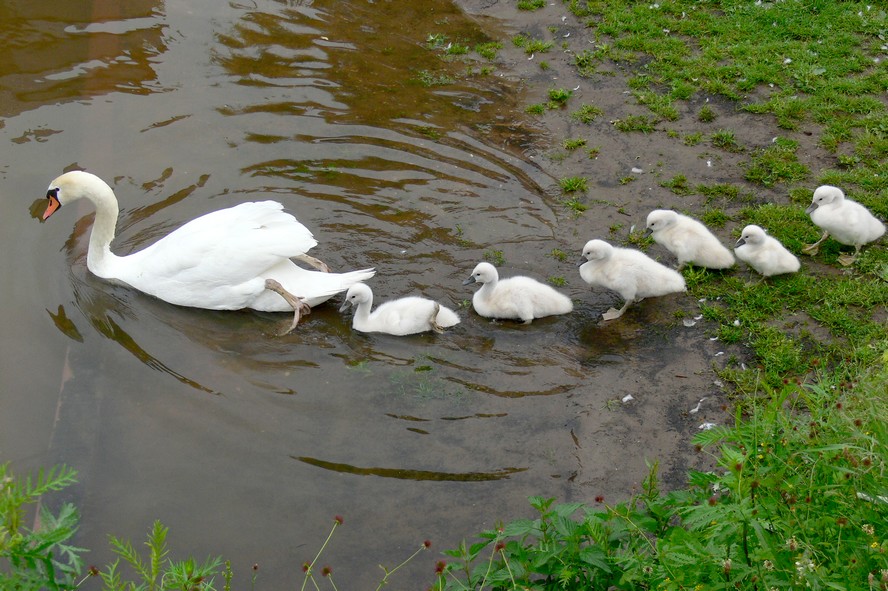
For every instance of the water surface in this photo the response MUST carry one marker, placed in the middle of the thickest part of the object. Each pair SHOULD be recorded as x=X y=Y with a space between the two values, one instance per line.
x=246 y=443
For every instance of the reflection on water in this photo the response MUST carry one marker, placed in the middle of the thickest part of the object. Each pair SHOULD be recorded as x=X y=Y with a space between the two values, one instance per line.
x=66 y=51
x=405 y=474
x=186 y=107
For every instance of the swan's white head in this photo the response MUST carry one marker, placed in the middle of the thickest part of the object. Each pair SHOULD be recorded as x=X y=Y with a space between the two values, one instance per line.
x=482 y=273
x=825 y=195
x=660 y=219
x=595 y=250
x=357 y=294
x=72 y=186
x=752 y=234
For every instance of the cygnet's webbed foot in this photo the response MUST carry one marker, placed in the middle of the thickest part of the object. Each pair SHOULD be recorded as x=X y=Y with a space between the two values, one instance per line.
x=300 y=308
x=316 y=263
x=433 y=321
x=813 y=249
x=613 y=313
x=846 y=260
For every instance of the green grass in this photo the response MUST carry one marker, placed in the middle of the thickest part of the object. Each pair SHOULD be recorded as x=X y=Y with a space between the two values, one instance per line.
x=573 y=184
x=573 y=143
x=778 y=163
x=587 y=114
x=531 y=45
x=640 y=123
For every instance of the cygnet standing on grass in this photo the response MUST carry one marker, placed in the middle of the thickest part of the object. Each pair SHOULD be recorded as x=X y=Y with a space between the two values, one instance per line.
x=764 y=253
x=689 y=240
x=629 y=272
x=517 y=298
x=846 y=220
x=409 y=315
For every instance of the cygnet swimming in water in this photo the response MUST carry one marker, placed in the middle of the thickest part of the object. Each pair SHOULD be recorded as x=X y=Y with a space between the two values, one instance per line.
x=764 y=253
x=518 y=297
x=844 y=219
x=408 y=315
x=689 y=240
x=629 y=272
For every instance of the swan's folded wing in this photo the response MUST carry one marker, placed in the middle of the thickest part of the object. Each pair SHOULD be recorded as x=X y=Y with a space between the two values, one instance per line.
x=228 y=246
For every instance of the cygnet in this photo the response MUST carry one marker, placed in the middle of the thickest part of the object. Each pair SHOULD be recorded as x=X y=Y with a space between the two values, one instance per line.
x=764 y=253
x=689 y=240
x=518 y=297
x=408 y=315
x=629 y=272
x=846 y=220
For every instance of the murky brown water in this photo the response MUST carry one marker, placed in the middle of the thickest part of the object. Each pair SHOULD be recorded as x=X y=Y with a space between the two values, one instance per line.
x=247 y=444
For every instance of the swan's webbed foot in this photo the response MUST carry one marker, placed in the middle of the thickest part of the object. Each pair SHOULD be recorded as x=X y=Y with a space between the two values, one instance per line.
x=613 y=313
x=813 y=249
x=433 y=321
x=300 y=308
x=846 y=260
x=316 y=263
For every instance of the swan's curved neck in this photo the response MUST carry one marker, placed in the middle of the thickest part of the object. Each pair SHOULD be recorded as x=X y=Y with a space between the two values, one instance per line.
x=99 y=259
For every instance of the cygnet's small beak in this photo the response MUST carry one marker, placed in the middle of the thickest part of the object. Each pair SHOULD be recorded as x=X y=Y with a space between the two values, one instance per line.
x=470 y=280
x=344 y=306
x=811 y=208
x=740 y=242
x=648 y=232
x=582 y=261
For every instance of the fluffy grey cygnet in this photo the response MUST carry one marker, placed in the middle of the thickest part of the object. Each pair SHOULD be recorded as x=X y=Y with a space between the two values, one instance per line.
x=629 y=272
x=844 y=219
x=407 y=315
x=764 y=253
x=517 y=298
x=689 y=240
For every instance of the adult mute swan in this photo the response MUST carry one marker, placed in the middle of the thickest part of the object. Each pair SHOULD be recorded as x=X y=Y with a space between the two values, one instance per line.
x=846 y=220
x=518 y=297
x=689 y=240
x=225 y=260
x=408 y=315
x=764 y=253
x=630 y=273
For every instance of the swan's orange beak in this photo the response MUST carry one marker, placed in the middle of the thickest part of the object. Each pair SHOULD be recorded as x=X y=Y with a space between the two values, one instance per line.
x=53 y=205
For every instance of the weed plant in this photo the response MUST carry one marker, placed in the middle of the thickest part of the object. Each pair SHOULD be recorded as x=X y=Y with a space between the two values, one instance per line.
x=40 y=557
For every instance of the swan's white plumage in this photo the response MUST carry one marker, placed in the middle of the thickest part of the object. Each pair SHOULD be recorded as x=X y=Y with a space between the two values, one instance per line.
x=403 y=316
x=689 y=240
x=844 y=219
x=629 y=272
x=218 y=261
x=764 y=253
x=517 y=298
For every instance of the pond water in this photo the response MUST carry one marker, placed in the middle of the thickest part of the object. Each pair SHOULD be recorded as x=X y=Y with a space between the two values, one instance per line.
x=247 y=444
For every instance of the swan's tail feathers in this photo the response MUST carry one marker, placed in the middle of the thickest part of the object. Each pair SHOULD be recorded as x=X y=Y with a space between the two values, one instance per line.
x=349 y=278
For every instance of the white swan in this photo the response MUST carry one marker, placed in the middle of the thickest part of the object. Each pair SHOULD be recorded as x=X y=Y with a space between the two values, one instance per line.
x=764 y=253
x=629 y=272
x=225 y=260
x=518 y=298
x=689 y=240
x=408 y=315
x=846 y=220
